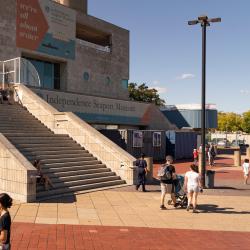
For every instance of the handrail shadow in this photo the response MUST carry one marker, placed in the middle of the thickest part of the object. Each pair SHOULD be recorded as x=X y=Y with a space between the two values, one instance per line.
x=211 y=208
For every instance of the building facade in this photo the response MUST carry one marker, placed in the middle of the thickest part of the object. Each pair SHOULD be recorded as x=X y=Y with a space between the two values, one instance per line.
x=82 y=61
x=189 y=115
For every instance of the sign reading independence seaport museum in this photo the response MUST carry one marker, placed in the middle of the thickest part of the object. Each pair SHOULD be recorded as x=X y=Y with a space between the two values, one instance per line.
x=47 y=27
x=97 y=109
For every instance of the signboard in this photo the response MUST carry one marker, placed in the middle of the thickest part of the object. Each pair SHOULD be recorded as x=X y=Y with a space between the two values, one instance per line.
x=157 y=139
x=137 y=139
x=47 y=27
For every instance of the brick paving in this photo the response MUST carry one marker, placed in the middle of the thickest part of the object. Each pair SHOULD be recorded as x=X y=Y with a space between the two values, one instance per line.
x=53 y=237
x=125 y=219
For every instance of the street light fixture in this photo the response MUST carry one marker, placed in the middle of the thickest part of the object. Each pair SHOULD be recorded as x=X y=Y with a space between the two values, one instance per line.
x=204 y=21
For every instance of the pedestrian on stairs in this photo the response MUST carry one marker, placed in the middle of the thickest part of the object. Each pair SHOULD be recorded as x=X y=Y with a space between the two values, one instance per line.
x=142 y=171
x=42 y=178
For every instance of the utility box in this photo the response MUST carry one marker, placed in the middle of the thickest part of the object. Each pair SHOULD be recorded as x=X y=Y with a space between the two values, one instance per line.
x=181 y=144
x=150 y=142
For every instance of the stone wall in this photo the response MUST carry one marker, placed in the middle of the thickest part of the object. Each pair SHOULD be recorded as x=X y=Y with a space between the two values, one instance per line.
x=16 y=173
x=106 y=70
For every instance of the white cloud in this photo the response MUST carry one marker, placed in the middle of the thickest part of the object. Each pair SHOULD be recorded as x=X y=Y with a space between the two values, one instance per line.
x=185 y=76
x=161 y=90
x=245 y=92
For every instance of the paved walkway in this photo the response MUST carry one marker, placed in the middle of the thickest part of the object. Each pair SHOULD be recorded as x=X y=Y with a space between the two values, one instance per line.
x=125 y=219
x=65 y=237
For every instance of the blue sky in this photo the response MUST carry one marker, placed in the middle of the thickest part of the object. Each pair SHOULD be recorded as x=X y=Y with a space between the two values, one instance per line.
x=165 y=52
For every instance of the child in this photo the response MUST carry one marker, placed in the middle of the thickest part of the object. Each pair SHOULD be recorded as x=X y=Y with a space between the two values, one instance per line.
x=192 y=186
x=195 y=155
x=245 y=167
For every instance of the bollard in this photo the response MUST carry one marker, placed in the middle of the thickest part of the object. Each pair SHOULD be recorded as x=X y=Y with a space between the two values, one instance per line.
x=237 y=158
x=149 y=161
x=248 y=152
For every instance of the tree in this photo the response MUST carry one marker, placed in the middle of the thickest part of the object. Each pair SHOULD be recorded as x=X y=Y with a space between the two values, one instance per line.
x=143 y=93
x=246 y=122
x=229 y=122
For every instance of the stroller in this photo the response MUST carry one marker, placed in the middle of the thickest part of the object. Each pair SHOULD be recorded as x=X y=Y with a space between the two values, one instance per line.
x=180 y=195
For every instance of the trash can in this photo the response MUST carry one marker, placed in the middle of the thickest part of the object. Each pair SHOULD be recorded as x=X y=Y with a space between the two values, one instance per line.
x=210 y=178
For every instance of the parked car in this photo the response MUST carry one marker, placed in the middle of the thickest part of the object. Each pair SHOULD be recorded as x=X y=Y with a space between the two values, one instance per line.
x=223 y=143
x=240 y=143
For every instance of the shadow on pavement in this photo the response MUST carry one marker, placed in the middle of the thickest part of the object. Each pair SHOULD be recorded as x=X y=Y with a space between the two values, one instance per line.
x=211 y=208
x=231 y=188
x=62 y=199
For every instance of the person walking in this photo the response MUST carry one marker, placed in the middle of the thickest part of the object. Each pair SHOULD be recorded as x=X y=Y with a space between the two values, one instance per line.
x=246 y=169
x=195 y=155
x=142 y=171
x=5 y=221
x=167 y=176
x=211 y=155
x=192 y=186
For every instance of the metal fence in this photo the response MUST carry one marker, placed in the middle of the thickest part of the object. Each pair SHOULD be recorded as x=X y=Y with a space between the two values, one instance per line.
x=19 y=70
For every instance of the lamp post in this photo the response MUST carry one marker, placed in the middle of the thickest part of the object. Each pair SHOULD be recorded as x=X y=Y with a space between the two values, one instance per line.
x=204 y=21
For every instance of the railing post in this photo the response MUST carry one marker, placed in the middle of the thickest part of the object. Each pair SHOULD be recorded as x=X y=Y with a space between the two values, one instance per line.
x=14 y=70
x=3 y=74
x=19 y=73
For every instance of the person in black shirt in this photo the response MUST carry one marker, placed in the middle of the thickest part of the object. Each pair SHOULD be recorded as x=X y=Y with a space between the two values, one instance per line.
x=5 y=221
x=167 y=186
x=142 y=171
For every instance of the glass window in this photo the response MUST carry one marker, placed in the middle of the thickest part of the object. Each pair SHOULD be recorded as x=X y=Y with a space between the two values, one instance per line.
x=49 y=73
x=125 y=83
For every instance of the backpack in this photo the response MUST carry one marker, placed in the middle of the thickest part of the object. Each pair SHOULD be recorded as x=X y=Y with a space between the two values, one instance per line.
x=164 y=173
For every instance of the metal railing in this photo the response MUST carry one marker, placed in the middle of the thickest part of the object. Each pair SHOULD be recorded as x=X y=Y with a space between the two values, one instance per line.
x=19 y=70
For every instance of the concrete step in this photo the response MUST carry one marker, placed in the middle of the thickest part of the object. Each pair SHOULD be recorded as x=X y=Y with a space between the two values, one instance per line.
x=19 y=119
x=24 y=131
x=52 y=153
x=44 y=149
x=24 y=122
x=57 y=156
x=84 y=171
x=69 y=165
x=46 y=144
x=49 y=135
x=69 y=184
x=42 y=142
x=63 y=159
x=73 y=189
x=64 y=179
x=87 y=167
x=41 y=139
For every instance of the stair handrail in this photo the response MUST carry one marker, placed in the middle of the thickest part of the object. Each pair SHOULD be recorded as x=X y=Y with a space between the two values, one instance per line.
x=120 y=161
x=21 y=70
x=104 y=139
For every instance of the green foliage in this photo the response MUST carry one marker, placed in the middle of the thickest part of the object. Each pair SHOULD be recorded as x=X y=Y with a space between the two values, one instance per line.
x=232 y=122
x=246 y=122
x=143 y=93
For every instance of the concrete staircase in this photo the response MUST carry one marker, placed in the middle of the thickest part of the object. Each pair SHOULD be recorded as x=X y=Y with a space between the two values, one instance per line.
x=70 y=167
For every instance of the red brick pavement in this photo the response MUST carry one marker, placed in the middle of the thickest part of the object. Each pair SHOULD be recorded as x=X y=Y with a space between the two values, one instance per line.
x=60 y=237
